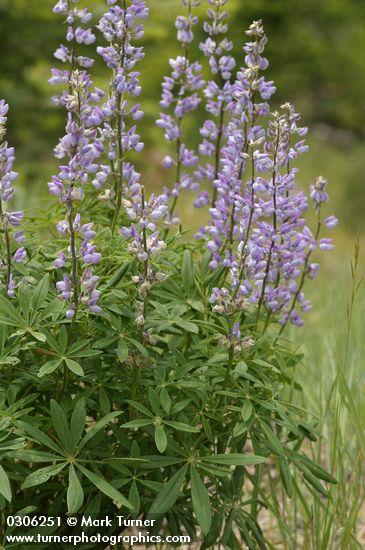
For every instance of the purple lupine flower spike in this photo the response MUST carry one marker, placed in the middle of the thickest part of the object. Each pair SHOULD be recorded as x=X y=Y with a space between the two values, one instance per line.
x=257 y=229
x=8 y=220
x=146 y=243
x=121 y=27
x=218 y=96
x=82 y=148
x=180 y=95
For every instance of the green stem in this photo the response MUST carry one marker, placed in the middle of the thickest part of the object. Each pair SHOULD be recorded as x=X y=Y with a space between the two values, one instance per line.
x=227 y=378
x=119 y=184
x=7 y=244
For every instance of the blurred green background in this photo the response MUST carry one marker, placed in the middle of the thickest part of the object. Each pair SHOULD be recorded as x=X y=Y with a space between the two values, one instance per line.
x=316 y=52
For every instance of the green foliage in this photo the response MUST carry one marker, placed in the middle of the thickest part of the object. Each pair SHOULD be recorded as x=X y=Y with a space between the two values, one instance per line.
x=160 y=420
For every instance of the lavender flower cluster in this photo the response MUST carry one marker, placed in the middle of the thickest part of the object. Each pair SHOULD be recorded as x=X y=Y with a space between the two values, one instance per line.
x=180 y=95
x=257 y=230
x=256 y=234
x=82 y=148
x=101 y=131
x=9 y=221
x=121 y=27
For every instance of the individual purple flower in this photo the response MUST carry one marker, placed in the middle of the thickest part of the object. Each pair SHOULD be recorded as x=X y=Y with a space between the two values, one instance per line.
x=318 y=191
x=89 y=294
x=331 y=222
x=326 y=244
x=20 y=255
x=70 y=312
x=11 y=287
x=89 y=255
x=60 y=261
x=64 y=288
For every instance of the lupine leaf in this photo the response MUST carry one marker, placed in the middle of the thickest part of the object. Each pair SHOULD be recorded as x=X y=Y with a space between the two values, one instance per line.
x=61 y=426
x=5 y=488
x=187 y=272
x=134 y=498
x=74 y=367
x=75 y=493
x=201 y=501
x=160 y=439
x=286 y=476
x=99 y=425
x=30 y=455
x=39 y=436
x=40 y=293
x=141 y=408
x=42 y=475
x=122 y=351
x=236 y=459
x=137 y=423
x=78 y=419
x=181 y=426
x=169 y=493
x=104 y=486
x=49 y=367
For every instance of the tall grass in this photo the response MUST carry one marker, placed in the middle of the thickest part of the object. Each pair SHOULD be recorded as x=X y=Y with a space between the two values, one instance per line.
x=333 y=383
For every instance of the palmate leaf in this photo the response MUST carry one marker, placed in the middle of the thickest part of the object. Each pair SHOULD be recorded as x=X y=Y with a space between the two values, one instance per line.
x=234 y=459
x=49 y=367
x=187 y=326
x=140 y=347
x=61 y=426
x=169 y=493
x=42 y=475
x=154 y=401
x=122 y=351
x=201 y=501
x=99 y=425
x=74 y=367
x=181 y=426
x=40 y=437
x=5 y=488
x=30 y=455
x=160 y=439
x=75 y=493
x=141 y=408
x=8 y=314
x=137 y=423
x=78 y=419
x=313 y=467
x=188 y=273
x=40 y=293
x=272 y=440
x=24 y=298
x=134 y=497
x=286 y=476
x=82 y=349
x=105 y=487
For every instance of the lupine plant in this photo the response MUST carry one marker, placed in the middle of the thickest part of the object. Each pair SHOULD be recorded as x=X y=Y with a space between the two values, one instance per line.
x=141 y=370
